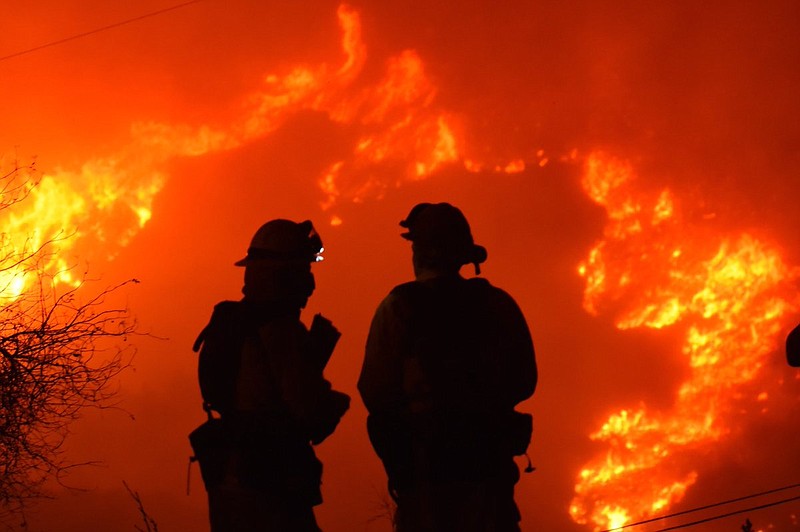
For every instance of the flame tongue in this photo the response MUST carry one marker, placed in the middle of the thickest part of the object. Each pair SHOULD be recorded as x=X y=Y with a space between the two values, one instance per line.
x=651 y=269
x=104 y=203
x=72 y=214
x=728 y=298
x=399 y=121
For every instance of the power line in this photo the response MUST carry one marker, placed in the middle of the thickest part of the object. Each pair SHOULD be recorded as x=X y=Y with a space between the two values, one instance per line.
x=706 y=507
x=98 y=30
x=722 y=516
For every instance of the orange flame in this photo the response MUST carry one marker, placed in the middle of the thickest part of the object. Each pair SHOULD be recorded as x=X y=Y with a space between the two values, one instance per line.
x=100 y=206
x=104 y=203
x=730 y=297
x=400 y=123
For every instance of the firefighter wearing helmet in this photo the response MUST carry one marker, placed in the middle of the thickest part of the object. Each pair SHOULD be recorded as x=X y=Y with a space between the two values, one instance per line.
x=261 y=379
x=447 y=361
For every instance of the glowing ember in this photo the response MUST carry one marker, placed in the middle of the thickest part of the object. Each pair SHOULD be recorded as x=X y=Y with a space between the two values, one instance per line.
x=653 y=270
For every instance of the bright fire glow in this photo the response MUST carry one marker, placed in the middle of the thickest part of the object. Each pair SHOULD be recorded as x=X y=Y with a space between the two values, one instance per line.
x=654 y=270
x=70 y=214
x=67 y=213
x=400 y=124
x=105 y=202
x=724 y=293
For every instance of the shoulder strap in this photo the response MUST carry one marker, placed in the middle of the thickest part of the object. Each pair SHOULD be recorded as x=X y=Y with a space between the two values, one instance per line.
x=224 y=313
x=220 y=346
x=407 y=289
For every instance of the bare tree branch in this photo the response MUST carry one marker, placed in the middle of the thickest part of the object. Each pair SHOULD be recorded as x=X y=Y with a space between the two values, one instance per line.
x=149 y=523
x=59 y=353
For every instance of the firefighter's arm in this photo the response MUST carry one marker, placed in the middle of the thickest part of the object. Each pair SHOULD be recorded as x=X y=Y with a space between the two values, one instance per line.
x=518 y=365
x=314 y=405
x=380 y=381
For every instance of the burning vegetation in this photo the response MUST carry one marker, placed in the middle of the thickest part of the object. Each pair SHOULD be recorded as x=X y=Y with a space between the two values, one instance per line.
x=731 y=295
x=55 y=355
x=658 y=265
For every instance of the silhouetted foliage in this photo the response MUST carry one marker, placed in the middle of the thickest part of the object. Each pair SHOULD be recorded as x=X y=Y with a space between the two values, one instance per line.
x=55 y=359
x=150 y=524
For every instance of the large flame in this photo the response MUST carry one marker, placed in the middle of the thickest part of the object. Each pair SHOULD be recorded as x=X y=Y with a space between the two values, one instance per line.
x=729 y=295
x=655 y=267
x=108 y=199
x=396 y=114
x=398 y=120
x=70 y=214
x=101 y=205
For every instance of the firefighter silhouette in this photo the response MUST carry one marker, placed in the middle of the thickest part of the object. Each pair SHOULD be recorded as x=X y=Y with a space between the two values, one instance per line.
x=261 y=378
x=447 y=360
x=793 y=347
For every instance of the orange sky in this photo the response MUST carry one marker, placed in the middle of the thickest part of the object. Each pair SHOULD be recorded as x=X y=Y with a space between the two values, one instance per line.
x=700 y=100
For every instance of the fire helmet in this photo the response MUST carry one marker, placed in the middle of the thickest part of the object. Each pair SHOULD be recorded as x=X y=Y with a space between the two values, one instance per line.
x=284 y=240
x=440 y=231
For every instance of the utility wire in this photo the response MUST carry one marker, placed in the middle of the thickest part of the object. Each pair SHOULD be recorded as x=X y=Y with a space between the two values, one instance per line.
x=706 y=507
x=714 y=518
x=98 y=30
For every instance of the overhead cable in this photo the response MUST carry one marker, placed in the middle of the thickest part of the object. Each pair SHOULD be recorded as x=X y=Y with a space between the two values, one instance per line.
x=722 y=516
x=98 y=30
x=706 y=507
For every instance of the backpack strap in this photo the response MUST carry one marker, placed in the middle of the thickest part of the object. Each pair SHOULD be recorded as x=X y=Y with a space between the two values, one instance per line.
x=220 y=346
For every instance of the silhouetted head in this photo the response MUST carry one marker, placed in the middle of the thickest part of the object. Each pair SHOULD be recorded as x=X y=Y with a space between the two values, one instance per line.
x=278 y=263
x=793 y=347
x=441 y=238
x=284 y=240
